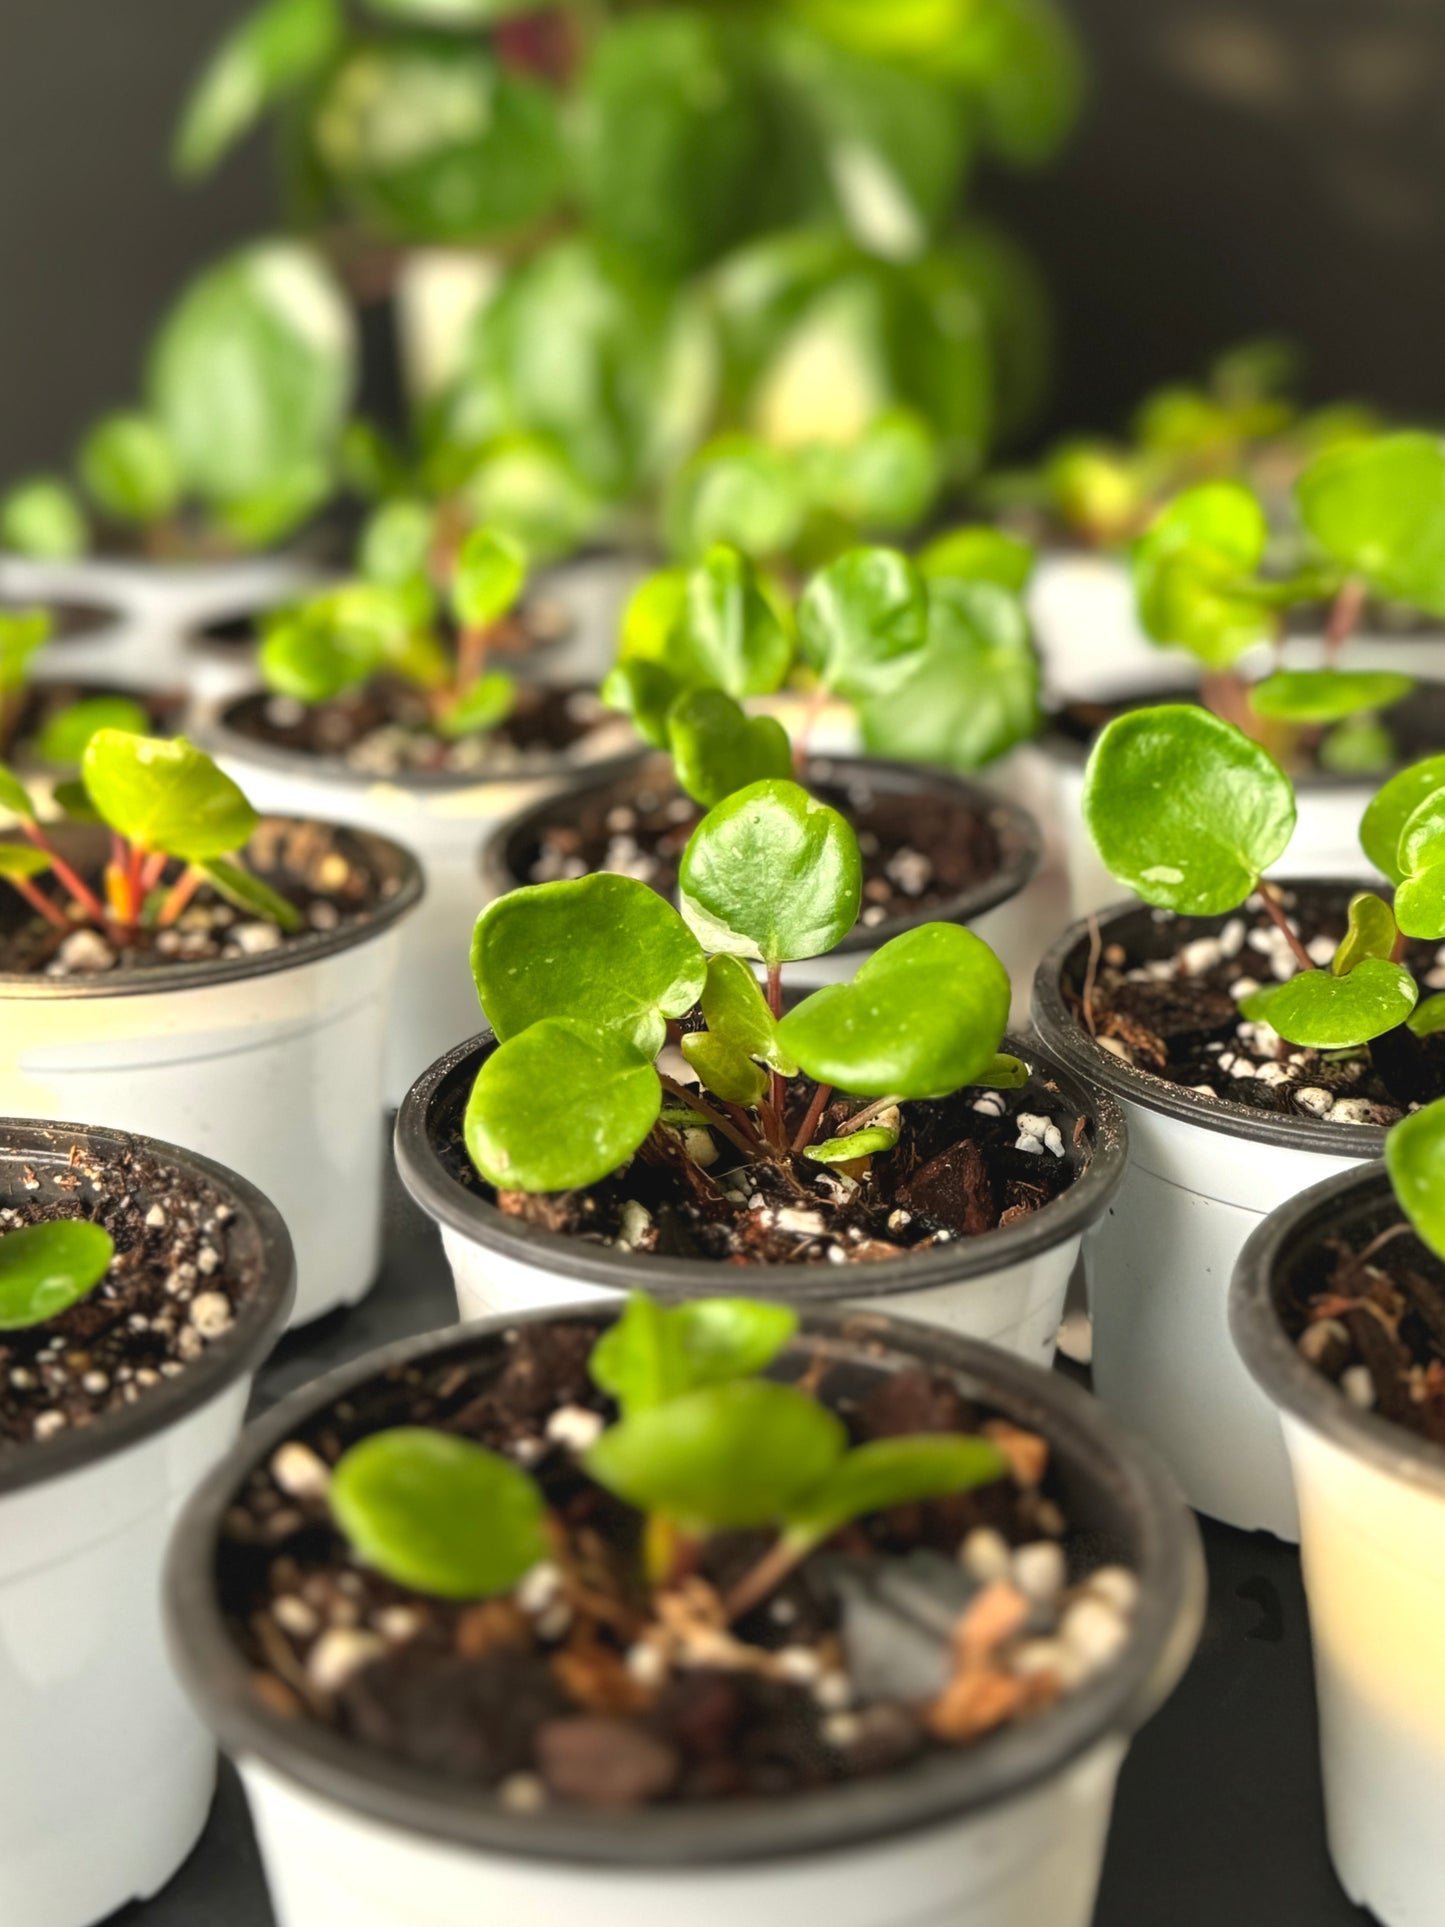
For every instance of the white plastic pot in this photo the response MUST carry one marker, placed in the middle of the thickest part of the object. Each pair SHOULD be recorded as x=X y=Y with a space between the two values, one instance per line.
x=1372 y=1513
x=593 y=589
x=1202 y=1174
x=1009 y=1833
x=1005 y=1286
x=108 y=1774
x=271 y=1064
x=1080 y=603
x=443 y=821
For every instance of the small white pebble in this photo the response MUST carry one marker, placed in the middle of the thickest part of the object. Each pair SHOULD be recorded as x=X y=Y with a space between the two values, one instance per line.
x=299 y=1472
x=294 y=1616
x=985 y=1554
x=211 y=1313
x=522 y=1793
x=1201 y=955
x=156 y=1216
x=899 y=1218
x=190 y=1344
x=1315 y=1340
x=1231 y=937
x=646 y=1664
x=1355 y=1110
x=802 y=1224
x=254 y=939
x=540 y=1587
x=841 y=1730
x=1243 y=987
x=636 y=1222
x=1039 y=1571
x=47 y=1424
x=700 y=1147
x=1033 y=1656
x=208 y=1261
x=1314 y=1100
x=1114 y=1047
x=1117 y=1585
x=1273 y=1074
x=398 y=1623
x=833 y=1691
x=1358 y=1387
x=1093 y=1631
x=95 y=1383
x=1320 y=950
x=991 y=1104
x=574 y=1427
x=798 y=1663
x=340 y=1652
x=83 y=950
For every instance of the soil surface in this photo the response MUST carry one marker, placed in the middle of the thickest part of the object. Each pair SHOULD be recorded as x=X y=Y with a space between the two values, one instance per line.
x=1370 y=1315
x=920 y=850
x=918 y=1630
x=322 y=871
x=173 y=1288
x=537 y=625
x=68 y=620
x=43 y=700
x=385 y=730
x=1171 y=1008
x=963 y=1165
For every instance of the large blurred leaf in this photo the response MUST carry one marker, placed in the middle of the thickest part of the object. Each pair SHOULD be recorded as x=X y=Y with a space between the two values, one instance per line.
x=1023 y=62
x=1378 y=507
x=433 y=140
x=265 y=57
x=251 y=375
x=892 y=29
x=1004 y=279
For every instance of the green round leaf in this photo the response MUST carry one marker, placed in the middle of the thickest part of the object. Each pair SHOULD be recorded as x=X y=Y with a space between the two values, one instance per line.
x=740 y=491
x=270 y=53
x=729 y=635
x=14 y=796
x=528 y=487
x=736 y=1009
x=1363 y=746
x=334 y=642
x=1371 y=933
x=1415 y=1158
x=922 y=1018
x=1005 y=1073
x=863 y=620
x=47 y=1268
x=978 y=554
x=897 y=1471
x=438 y=1513
x=771 y=873
x=23 y=632
x=1325 y=1012
x=867 y=1143
x=1185 y=809
x=165 y=795
x=1316 y=696
x=22 y=860
x=717 y=749
x=728 y=1072
x=1420 y=895
x=883 y=480
x=396 y=542
x=1420 y=904
x=730 y=1456
x=604 y=950
x=67 y=731
x=249 y=893
x=41 y=517
x=654 y=610
x=480 y=707
x=1378 y=507
x=129 y=469
x=559 y=1107
x=1428 y=1016
x=1390 y=809
x=645 y=692
x=655 y=1353
x=490 y=574
x=1194 y=573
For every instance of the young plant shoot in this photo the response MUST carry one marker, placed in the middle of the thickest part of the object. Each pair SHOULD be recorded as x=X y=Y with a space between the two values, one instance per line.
x=584 y=981
x=176 y=822
x=46 y=1268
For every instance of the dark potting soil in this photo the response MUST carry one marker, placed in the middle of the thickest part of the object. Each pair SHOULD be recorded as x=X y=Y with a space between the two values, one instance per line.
x=963 y=1165
x=1370 y=1315
x=173 y=1288
x=41 y=701
x=919 y=1629
x=385 y=730
x=1174 y=1012
x=318 y=869
x=920 y=849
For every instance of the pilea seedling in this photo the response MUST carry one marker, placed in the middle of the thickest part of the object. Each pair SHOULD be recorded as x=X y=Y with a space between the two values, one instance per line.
x=63 y=736
x=165 y=803
x=346 y=637
x=1188 y=812
x=582 y=981
x=47 y=1268
x=703 y=1445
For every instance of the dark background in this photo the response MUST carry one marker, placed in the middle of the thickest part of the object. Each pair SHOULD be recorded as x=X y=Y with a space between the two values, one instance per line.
x=1245 y=166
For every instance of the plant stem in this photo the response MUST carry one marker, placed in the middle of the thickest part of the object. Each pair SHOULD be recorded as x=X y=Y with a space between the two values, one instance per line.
x=813 y=709
x=89 y=902
x=1091 y=973
x=777 y=1088
x=765 y=1577
x=867 y=1114
x=155 y=869
x=471 y=658
x=1345 y=612
x=714 y=1119
x=38 y=900
x=1282 y=923
x=810 y=1120
x=181 y=893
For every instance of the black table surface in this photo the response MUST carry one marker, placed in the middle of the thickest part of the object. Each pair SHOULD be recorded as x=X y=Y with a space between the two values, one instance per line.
x=1218 y=1820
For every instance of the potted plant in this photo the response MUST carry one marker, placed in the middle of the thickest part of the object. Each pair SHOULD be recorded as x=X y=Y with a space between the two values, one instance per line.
x=1363 y=1421
x=680 y=1717
x=561 y=1152
x=171 y=960
x=1374 y=512
x=377 y=713
x=875 y=634
x=195 y=493
x=1257 y=1033
x=140 y=1286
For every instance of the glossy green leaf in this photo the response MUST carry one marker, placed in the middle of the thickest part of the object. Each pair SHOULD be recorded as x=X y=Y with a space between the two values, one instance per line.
x=483 y=705
x=862 y=620
x=737 y=490
x=646 y=692
x=604 y=950
x=268 y=513
x=73 y=798
x=1415 y=1159
x=396 y=542
x=41 y=517
x=717 y=749
x=14 y=796
x=1428 y=1016
x=729 y=635
x=22 y=860
x=653 y=612
x=1371 y=933
x=23 y=633
x=249 y=893
x=895 y=1471
x=1325 y=1012
x=1361 y=746
x=726 y=1071
x=922 y=1017
x=1195 y=573
x=165 y=795
x=771 y=873
x=129 y=469
x=654 y=1353
x=1005 y=1073
x=334 y=642
x=438 y=1513
x=559 y=1106
x=1390 y=809
x=883 y=480
x=491 y=571
x=978 y=554
x=47 y=1268
x=729 y=1456
x=735 y=1008
x=67 y=731
x=1185 y=809
x=1420 y=894
x=272 y=51
x=872 y=1140
x=528 y=487
x=1378 y=507
x=1316 y=696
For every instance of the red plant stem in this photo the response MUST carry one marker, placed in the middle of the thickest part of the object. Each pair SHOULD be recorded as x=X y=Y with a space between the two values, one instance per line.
x=155 y=869
x=471 y=657
x=777 y=1088
x=1344 y=614
x=38 y=900
x=180 y=896
x=764 y=1578
x=775 y=989
x=1282 y=922
x=89 y=902
x=714 y=1119
x=744 y=1123
x=813 y=709
x=810 y=1120
x=135 y=881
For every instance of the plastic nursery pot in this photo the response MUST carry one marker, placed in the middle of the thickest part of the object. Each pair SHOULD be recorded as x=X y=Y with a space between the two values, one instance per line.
x=1202 y=1173
x=1081 y=605
x=592 y=589
x=1372 y=1516
x=1326 y=842
x=1006 y=1834
x=107 y=1772
x=443 y=819
x=989 y=905
x=1006 y=1285
x=270 y=1062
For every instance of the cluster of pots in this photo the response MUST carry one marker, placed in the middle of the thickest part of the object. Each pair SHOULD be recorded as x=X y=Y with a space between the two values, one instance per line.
x=275 y=1072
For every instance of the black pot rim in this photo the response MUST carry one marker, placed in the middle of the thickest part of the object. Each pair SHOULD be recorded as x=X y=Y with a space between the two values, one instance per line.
x=460 y=1210
x=1117 y=1701
x=217 y=736
x=1014 y=825
x=258 y=1323
x=1073 y=1046
x=311 y=946
x=1271 y=1357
